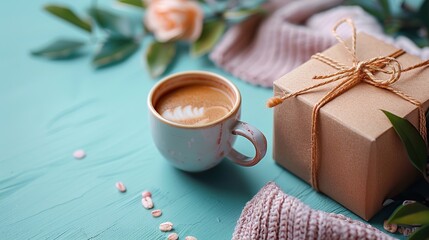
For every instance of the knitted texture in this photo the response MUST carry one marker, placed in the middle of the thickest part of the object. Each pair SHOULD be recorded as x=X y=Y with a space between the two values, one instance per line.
x=261 y=49
x=272 y=214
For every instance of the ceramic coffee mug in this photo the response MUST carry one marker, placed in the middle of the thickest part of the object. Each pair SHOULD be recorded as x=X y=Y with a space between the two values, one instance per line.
x=198 y=148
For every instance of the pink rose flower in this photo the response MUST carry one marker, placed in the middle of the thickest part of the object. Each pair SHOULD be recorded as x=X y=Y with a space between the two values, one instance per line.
x=174 y=19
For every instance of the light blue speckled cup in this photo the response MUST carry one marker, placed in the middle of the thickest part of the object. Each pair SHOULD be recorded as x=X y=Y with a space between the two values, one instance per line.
x=198 y=148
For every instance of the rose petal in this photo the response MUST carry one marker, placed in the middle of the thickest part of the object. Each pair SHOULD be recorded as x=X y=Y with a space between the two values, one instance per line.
x=174 y=19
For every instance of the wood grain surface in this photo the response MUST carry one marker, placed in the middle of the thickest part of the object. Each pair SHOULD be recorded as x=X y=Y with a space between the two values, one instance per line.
x=49 y=109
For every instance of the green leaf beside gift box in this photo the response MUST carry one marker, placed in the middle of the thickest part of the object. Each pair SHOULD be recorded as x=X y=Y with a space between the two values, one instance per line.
x=410 y=214
x=421 y=234
x=413 y=214
x=413 y=142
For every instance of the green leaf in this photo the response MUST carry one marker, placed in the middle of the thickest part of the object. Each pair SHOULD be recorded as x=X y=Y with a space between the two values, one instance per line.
x=410 y=137
x=212 y=31
x=114 y=24
x=135 y=3
x=410 y=214
x=421 y=234
x=242 y=13
x=406 y=7
x=59 y=49
x=392 y=27
x=114 y=50
x=159 y=56
x=385 y=7
x=423 y=13
x=69 y=16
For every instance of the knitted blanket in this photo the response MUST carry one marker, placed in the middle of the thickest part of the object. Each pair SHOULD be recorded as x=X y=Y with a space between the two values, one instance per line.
x=272 y=214
x=261 y=49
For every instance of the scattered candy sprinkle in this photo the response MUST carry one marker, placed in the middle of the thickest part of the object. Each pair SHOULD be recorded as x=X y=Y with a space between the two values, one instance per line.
x=173 y=236
x=146 y=194
x=156 y=213
x=147 y=202
x=166 y=226
x=79 y=154
x=390 y=227
x=121 y=187
x=407 y=202
x=407 y=232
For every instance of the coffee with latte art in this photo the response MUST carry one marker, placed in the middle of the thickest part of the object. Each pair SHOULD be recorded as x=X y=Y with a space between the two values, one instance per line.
x=194 y=104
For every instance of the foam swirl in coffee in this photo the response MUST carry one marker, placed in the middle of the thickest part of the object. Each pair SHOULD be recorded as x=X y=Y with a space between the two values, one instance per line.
x=194 y=104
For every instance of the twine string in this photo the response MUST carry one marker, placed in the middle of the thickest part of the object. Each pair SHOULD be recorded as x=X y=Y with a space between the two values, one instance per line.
x=349 y=77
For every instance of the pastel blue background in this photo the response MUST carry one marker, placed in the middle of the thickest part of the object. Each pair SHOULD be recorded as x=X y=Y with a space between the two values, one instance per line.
x=48 y=109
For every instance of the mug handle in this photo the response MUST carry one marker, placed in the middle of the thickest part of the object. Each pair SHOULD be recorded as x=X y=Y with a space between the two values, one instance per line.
x=258 y=140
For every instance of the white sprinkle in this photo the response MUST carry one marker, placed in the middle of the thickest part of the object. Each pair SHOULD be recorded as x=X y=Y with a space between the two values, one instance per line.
x=407 y=202
x=79 y=154
x=390 y=227
x=146 y=194
x=166 y=226
x=147 y=202
x=387 y=202
x=121 y=187
x=218 y=220
x=190 y=238
x=156 y=213
x=407 y=232
x=173 y=236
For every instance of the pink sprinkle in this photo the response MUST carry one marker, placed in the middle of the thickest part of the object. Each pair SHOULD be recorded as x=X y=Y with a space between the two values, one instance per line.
x=166 y=226
x=156 y=213
x=121 y=187
x=147 y=202
x=172 y=236
x=79 y=154
x=146 y=194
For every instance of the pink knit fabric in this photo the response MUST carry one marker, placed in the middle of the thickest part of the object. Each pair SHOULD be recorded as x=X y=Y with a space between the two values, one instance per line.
x=271 y=214
x=262 y=49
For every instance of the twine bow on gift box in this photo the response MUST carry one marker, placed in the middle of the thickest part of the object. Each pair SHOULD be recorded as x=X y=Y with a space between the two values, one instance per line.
x=360 y=71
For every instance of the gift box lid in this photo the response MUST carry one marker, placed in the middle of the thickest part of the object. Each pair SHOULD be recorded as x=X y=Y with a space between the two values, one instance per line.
x=363 y=99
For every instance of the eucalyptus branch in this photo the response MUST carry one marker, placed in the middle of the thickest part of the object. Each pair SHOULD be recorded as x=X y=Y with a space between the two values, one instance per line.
x=116 y=38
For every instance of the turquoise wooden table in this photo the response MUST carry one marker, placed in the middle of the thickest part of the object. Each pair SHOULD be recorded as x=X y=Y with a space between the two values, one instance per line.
x=48 y=109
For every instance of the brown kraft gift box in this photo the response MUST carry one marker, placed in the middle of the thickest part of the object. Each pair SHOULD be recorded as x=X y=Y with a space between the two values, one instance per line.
x=362 y=161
